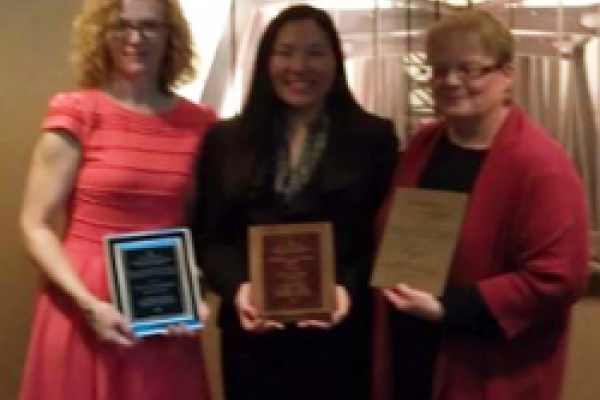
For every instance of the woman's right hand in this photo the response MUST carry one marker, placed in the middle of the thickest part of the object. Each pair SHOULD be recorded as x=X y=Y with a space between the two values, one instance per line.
x=109 y=324
x=248 y=314
x=54 y=168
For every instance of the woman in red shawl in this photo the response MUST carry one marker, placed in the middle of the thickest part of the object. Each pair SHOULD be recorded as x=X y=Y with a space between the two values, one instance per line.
x=500 y=329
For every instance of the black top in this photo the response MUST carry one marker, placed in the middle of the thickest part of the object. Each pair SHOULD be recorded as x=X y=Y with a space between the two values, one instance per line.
x=451 y=167
x=454 y=168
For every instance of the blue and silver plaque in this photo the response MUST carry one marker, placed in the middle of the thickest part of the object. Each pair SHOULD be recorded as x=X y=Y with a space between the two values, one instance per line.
x=154 y=280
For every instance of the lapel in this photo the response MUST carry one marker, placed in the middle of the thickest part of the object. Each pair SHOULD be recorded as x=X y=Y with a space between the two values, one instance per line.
x=339 y=169
x=340 y=166
x=417 y=156
x=493 y=200
x=499 y=172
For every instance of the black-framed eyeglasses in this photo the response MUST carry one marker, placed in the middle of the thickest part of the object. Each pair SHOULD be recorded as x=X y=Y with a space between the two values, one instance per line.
x=463 y=71
x=147 y=28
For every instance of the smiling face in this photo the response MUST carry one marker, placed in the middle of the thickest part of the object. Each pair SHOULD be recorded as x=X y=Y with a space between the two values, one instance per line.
x=302 y=65
x=137 y=39
x=467 y=80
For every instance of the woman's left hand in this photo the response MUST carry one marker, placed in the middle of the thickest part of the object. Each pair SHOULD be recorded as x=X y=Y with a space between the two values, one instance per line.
x=183 y=331
x=342 y=307
x=416 y=302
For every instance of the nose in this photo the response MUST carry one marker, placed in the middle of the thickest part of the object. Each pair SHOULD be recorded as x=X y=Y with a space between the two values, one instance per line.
x=450 y=77
x=298 y=62
x=134 y=35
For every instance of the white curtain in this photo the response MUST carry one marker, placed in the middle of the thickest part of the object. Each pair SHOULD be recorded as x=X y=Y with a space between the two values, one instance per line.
x=380 y=85
x=556 y=93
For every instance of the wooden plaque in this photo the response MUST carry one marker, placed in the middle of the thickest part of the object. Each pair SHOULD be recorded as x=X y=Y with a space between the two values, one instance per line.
x=292 y=271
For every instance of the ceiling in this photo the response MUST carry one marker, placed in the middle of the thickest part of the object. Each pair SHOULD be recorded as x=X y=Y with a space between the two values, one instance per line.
x=541 y=27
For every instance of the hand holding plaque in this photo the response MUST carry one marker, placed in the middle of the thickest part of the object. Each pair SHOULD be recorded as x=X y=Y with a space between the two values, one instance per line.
x=292 y=271
x=248 y=314
x=419 y=239
x=154 y=280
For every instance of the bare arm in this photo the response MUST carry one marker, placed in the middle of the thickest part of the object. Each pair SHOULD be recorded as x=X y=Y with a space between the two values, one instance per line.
x=55 y=164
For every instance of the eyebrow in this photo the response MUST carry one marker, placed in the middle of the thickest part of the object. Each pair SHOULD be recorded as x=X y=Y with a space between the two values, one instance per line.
x=288 y=45
x=151 y=19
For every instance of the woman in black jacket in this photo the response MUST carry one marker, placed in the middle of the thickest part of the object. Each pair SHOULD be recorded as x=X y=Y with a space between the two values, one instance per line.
x=302 y=150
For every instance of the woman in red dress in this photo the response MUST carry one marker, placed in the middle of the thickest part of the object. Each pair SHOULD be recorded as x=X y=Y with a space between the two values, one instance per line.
x=115 y=157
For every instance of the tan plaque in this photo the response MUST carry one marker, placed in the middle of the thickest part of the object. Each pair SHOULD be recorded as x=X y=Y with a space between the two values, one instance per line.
x=292 y=271
x=419 y=239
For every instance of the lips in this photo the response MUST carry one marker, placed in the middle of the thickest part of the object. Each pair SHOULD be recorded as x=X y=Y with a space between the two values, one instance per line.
x=451 y=97
x=299 y=84
x=135 y=54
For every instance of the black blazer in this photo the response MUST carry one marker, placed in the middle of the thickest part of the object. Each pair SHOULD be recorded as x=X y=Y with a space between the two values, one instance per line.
x=347 y=188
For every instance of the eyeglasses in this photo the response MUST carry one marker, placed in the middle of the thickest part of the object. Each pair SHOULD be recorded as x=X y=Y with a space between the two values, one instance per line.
x=463 y=71
x=147 y=28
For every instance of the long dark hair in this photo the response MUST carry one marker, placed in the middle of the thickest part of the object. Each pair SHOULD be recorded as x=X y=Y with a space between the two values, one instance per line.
x=256 y=118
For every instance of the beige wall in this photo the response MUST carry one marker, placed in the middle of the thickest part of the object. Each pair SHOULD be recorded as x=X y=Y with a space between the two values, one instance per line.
x=583 y=377
x=33 y=42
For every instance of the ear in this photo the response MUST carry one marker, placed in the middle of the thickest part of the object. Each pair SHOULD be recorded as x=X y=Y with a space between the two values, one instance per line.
x=508 y=71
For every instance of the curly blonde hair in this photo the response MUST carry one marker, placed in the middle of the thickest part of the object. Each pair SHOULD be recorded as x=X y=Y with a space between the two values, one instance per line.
x=91 y=58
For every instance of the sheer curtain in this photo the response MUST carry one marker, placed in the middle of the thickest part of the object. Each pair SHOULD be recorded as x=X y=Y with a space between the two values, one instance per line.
x=380 y=85
x=556 y=91
x=386 y=77
x=579 y=130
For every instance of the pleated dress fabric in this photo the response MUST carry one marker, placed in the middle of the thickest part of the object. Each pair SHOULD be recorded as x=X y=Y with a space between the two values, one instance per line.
x=134 y=176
